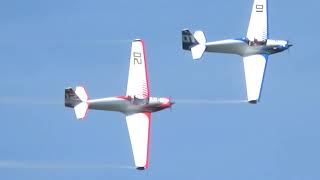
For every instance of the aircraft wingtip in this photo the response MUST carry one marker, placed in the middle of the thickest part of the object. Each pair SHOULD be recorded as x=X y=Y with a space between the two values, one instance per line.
x=253 y=101
x=137 y=39
x=140 y=168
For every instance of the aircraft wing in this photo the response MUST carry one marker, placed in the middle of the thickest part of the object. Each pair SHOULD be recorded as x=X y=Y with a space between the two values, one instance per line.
x=258 y=25
x=139 y=131
x=254 y=67
x=138 y=84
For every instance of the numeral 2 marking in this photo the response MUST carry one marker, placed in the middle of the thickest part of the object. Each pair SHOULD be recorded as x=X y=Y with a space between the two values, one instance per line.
x=137 y=58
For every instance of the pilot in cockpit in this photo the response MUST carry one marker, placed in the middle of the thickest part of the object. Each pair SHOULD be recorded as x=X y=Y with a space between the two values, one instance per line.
x=256 y=42
x=139 y=101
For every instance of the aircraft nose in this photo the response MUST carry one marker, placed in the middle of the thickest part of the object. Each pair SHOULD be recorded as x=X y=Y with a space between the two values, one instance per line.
x=168 y=101
x=288 y=45
x=172 y=102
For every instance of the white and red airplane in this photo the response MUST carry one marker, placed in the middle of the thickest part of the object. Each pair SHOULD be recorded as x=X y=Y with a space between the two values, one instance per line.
x=136 y=105
x=255 y=48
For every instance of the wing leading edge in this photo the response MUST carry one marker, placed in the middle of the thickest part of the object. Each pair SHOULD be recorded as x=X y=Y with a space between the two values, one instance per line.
x=254 y=67
x=139 y=131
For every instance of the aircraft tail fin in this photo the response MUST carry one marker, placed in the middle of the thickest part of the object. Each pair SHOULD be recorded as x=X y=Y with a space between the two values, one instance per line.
x=196 y=43
x=188 y=40
x=78 y=100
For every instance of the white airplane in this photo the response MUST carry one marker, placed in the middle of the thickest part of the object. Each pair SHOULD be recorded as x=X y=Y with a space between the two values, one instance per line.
x=136 y=105
x=254 y=48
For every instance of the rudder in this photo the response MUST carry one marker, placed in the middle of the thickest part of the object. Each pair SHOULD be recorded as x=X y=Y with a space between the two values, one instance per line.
x=70 y=98
x=188 y=40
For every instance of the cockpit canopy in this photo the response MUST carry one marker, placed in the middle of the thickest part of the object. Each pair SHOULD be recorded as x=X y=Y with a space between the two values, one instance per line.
x=269 y=42
x=144 y=101
x=139 y=101
x=257 y=42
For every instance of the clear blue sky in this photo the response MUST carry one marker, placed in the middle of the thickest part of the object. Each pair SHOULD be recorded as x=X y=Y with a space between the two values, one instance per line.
x=46 y=46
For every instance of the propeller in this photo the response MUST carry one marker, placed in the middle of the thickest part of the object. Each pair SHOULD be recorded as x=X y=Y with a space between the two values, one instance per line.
x=171 y=103
x=289 y=45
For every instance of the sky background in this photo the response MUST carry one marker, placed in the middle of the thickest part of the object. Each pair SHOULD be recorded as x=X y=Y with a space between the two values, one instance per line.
x=46 y=46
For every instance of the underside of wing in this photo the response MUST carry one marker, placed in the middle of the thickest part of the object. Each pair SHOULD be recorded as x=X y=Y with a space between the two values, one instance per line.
x=138 y=84
x=139 y=131
x=258 y=25
x=254 y=67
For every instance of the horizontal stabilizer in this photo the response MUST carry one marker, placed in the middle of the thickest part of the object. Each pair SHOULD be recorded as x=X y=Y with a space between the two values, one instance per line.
x=197 y=51
x=81 y=110
x=78 y=100
x=199 y=36
x=81 y=93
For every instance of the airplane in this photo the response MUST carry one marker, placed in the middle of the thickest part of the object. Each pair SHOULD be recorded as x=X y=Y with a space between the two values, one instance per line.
x=255 y=48
x=136 y=105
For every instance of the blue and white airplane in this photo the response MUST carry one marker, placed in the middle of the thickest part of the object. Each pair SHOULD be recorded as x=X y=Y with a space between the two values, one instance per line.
x=254 y=48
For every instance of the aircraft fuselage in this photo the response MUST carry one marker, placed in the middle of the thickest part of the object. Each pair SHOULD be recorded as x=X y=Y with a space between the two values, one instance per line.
x=127 y=104
x=244 y=47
